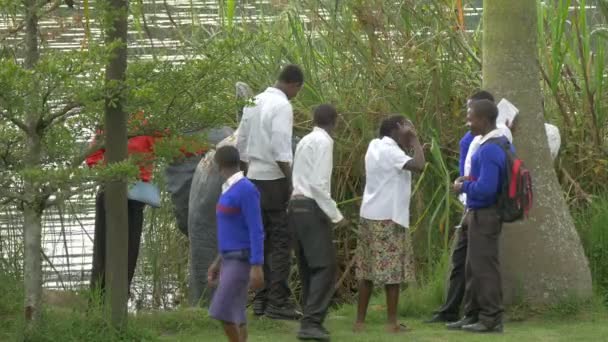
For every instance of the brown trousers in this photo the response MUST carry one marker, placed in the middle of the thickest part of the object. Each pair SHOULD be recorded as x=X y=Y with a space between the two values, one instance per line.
x=483 y=294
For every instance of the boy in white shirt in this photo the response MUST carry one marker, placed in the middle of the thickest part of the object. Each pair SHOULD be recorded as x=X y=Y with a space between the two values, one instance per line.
x=311 y=214
x=264 y=142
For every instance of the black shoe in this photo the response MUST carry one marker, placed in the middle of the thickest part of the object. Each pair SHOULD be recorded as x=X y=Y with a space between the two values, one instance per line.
x=285 y=313
x=482 y=328
x=439 y=318
x=317 y=333
x=464 y=321
x=259 y=306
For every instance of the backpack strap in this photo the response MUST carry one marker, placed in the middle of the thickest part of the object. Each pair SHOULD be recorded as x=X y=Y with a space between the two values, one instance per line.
x=504 y=144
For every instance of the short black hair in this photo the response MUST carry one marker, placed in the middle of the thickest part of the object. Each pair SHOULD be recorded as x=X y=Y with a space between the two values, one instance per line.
x=325 y=115
x=227 y=156
x=291 y=73
x=486 y=109
x=391 y=123
x=482 y=95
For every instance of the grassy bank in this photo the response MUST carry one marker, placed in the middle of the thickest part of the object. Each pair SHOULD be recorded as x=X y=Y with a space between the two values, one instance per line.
x=588 y=324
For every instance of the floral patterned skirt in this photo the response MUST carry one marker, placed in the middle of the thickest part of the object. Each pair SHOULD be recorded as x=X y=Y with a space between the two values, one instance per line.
x=384 y=253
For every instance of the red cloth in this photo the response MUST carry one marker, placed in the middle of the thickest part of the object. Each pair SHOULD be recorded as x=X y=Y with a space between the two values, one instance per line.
x=141 y=144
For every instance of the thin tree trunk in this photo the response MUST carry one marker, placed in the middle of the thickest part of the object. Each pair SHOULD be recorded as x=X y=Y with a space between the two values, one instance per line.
x=542 y=258
x=31 y=34
x=116 y=151
x=32 y=231
x=32 y=209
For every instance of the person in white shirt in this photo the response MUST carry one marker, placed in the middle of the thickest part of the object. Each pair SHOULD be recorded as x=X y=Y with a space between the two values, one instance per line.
x=264 y=142
x=311 y=214
x=384 y=250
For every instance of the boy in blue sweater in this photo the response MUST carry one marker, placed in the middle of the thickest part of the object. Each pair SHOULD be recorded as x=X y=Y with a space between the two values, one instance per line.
x=240 y=236
x=450 y=310
x=483 y=293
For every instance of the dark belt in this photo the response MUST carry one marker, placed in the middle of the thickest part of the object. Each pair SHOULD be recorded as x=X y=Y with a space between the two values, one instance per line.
x=241 y=254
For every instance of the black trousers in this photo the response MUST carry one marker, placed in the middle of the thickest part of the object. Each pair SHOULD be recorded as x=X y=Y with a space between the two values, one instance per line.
x=316 y=258
x=136 y=221
x=274 y=197
x=483 y=294
x=457 y=282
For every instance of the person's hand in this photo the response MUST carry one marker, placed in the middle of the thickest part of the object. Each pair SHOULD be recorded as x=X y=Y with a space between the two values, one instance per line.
x=256 y=277
x=407 y=133
x=213 y=274
x=457 y=187
x=462 y=179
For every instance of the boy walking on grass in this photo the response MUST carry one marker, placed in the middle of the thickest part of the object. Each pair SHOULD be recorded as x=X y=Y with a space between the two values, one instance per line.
x=241 y=246
x=311 y=214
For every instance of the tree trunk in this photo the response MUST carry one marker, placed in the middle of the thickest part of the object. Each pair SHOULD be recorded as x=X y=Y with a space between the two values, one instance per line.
x=31 y=34
x=32 y=208
x=32 y=278
x=542 y=257
x=116 y=151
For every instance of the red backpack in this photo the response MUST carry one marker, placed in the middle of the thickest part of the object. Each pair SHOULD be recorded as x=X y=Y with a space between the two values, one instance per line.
x=516 y=196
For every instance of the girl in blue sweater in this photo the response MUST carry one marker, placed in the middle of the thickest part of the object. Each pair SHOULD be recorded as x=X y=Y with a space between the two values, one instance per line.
x=241 y=246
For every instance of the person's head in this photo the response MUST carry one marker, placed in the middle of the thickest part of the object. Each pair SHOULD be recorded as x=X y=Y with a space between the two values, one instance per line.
x=481 y=95
x=325 y=116
x=228 y=160
x=290 y=80
x=390 y=126
x=481 y=117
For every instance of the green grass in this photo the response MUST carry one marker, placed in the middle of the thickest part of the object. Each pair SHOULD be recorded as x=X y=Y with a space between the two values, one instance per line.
x=567 y=321
x=584 y=326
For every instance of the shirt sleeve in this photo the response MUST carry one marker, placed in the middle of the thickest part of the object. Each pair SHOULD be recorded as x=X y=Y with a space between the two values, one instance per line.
x=250 y=207
x=465 y=142
x=321 y=186
x=242 y=137
x=486 y=185
x=397 y=158
x=281 y=134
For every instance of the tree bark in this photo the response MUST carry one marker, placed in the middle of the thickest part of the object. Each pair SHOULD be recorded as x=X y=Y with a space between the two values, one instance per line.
x=116 y=151
x=32 y=206
x=542 y=257
x=31 y=34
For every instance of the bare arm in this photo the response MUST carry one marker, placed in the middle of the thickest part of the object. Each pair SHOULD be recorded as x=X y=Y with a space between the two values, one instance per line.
x=286 y=168
x=417 y=163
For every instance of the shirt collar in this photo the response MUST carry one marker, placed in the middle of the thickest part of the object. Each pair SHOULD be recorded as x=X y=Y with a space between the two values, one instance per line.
x=390 y=141
x=276 y=91
x=232 y=180
x=322 y=131
x=493 y=134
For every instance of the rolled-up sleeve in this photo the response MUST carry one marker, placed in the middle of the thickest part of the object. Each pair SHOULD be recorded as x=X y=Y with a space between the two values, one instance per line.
x=281 y=134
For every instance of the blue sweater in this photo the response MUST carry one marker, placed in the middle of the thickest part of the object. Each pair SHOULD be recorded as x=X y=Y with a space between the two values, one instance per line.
x=465 y=143
x=488 y=172
x=239 y=221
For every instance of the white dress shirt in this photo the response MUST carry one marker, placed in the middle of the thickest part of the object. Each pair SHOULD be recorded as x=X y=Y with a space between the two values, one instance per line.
x=265 y=135
x=312 y=168
x=388 y=185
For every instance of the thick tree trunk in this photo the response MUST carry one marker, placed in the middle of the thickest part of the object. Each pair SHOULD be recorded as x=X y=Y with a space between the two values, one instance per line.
x=116 y=151
x=542 y=257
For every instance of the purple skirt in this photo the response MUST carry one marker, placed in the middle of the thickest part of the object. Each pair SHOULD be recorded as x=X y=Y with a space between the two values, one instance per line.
x=229 y=303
